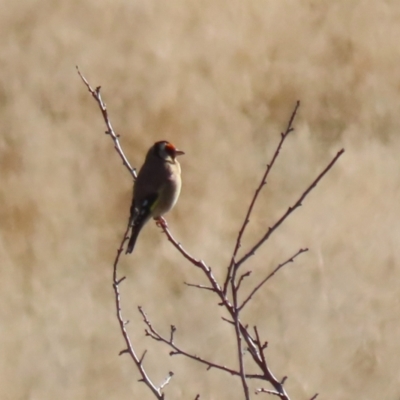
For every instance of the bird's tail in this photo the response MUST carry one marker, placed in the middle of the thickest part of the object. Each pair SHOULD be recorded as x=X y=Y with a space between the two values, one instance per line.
x=132 y=240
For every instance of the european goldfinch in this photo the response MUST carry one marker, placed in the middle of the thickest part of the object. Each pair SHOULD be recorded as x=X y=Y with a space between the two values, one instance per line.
x=156 y=188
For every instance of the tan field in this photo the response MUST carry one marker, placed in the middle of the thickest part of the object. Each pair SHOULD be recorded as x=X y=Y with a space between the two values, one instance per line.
x=219 y=79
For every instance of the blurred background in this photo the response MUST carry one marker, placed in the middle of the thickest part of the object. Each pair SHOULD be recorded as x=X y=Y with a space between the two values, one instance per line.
x=219 y=79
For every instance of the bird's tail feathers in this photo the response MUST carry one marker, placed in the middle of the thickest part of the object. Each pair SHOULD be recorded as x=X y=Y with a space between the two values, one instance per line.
x=134 y=235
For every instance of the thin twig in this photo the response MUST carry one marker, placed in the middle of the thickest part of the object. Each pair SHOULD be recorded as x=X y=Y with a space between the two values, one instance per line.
x=269 y=276
x=154 y=334
x=314 y=397
x=122 y=324
x=262 y=390
x=202 y=265
x=241 y=279
x=110 y=131
x=261 y=347
x=239 y=340
x=289 y=211
x=199 y=286
x=263 y=182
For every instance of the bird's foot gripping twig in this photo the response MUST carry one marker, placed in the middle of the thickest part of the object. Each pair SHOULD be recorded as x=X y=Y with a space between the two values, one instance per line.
x=161 y=222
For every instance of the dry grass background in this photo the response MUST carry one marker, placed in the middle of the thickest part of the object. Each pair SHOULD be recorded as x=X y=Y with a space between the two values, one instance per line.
x=219 y=79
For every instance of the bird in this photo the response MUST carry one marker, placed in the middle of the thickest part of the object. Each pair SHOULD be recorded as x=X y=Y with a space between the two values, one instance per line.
x=156 y=188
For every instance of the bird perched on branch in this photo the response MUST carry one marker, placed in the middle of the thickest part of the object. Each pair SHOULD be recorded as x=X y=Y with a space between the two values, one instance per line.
x=156 y=188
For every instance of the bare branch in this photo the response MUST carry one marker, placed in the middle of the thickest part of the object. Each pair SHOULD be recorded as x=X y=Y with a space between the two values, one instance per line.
x=298 y=203
x=173 y=330
x=227 y=320
x=263 y=182
x=179 y=351
x=199 y=286
x=122 y=324
x=143 y=356
x=202 y=265
x=110 y=131
x=120 y=280
x=262 y=390
x=267 y=374
x=253 y=292
x=241 y=279
x=239 y=339
x=261 y=347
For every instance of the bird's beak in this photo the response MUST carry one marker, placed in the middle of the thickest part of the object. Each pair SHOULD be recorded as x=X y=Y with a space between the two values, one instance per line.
x=179 y=152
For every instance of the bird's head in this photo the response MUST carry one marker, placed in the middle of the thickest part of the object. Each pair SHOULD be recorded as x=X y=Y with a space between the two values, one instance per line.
x=166 y=150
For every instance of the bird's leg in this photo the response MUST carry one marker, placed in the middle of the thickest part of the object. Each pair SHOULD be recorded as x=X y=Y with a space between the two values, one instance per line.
x=161 y=222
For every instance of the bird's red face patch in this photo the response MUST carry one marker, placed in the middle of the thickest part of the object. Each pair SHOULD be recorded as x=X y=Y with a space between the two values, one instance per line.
x=170 y=149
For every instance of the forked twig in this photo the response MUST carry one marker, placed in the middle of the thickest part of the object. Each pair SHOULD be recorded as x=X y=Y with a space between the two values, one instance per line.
x=122 y=324
x=238 y=335
x=289 y=211
x=263 y=182
x=176 y=350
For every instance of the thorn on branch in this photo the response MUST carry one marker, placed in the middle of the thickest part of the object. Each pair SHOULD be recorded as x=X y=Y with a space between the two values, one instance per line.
x=228 y=321
x=242 y=277
x=142 y=357
x=123 y=352
x=264 y=346
x=120 y=280
x=314 y=397
x=173 y=330
x=283 y=380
